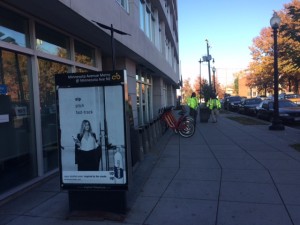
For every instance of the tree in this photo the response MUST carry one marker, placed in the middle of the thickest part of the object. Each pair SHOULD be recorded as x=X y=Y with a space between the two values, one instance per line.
x=220 y=91
x=186 y=90
x=196 y=85
x=290 y=51
x=205 y=90
x=261 y=68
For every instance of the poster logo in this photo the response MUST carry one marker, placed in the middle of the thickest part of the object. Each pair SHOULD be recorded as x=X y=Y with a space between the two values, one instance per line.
x=116 y=77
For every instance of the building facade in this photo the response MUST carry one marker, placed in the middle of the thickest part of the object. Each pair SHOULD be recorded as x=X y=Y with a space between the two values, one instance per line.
x=245 y=90
x=39 y=39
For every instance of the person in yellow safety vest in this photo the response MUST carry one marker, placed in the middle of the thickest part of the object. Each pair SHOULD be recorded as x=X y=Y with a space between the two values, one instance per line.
x=193 y=103
x=214 y=105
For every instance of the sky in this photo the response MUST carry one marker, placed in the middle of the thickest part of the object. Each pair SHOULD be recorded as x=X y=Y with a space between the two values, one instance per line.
x=229 y=26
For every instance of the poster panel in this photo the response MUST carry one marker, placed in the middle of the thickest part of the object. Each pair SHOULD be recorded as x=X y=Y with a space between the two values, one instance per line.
x=92 y=141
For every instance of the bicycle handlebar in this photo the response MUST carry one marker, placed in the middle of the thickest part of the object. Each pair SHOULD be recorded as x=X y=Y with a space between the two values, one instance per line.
x=170 y=108
x=165 y=109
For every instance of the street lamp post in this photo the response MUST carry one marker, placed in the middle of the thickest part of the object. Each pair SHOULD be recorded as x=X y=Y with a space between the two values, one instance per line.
x=214 y=77
x=208 y=61
x=200 y=61
x=112 y=40
x=276 y=123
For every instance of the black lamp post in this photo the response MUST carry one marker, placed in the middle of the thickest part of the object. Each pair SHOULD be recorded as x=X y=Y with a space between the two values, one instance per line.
x=200 y=61
x=112 y=40
x=214 y=76
x=276 y=123
x=208 y=58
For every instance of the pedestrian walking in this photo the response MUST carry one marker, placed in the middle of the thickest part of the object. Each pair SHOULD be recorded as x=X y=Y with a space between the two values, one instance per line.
x=214 y=105
x=193 y=105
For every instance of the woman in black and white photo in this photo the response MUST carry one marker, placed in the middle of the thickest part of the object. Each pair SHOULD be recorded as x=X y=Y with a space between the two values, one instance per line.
x=87 y=150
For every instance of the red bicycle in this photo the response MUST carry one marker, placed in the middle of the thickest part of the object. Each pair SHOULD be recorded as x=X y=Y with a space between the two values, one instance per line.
x=184 y=125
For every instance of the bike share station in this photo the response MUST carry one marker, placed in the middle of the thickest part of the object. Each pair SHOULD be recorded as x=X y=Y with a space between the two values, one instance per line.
x=100 y=98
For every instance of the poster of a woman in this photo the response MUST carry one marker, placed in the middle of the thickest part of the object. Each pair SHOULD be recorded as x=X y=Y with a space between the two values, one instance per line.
x=92 y=132
x=87 y=150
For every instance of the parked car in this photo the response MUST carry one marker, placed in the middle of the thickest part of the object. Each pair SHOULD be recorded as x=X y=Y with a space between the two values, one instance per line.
x=248 y=106
x=289 y=112
x=263 y=97
x=293 y=97
x=231 y=103
x=222 y=103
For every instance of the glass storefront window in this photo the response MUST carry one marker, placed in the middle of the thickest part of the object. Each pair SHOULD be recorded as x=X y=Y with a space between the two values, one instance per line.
x=138 y=102
x=18 y=150
x=144 y=103
x=142 y=15
x=13 y=28
x=144 y=98
x=149 y=103
x=47 y=70
x=84 y=53
x=82 y=70
x=52 y=42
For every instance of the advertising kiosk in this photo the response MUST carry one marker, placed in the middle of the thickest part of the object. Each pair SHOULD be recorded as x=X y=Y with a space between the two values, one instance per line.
x=93 y=139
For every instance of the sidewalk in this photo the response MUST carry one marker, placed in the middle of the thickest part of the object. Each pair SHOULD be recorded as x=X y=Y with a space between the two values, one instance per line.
x=226 y=174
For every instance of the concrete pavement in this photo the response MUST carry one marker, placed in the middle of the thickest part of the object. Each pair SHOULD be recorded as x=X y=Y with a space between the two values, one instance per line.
x=226 y=174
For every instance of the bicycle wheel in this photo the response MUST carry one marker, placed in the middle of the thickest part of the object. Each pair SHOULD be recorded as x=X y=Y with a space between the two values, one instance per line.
x=186 y=128
x=189 y=118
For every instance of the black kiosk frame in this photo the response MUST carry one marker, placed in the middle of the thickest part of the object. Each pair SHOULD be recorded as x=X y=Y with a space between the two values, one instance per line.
x=97 y=99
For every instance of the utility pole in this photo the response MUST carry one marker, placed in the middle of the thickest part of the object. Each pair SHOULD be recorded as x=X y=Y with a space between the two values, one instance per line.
x=208 y=60
x=200 y=61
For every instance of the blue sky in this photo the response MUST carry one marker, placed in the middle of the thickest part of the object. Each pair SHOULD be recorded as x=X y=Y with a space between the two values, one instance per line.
x=228 y=25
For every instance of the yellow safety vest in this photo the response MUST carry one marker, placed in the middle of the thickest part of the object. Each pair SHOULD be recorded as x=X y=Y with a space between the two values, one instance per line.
x=213 y=103
x=193 y=103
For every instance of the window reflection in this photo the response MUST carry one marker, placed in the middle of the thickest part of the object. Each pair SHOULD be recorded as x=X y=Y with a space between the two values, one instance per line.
x=138 y=102
x=84 y=54
x=13 y=28
x=47 y=71
x=149 y=114
x=144 y=96
x=51 y=42
x=17 y=151
x=82 y=70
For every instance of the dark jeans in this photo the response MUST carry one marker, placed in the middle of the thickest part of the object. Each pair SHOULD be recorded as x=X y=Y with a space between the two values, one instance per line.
x=88 y=160
x=193 y=114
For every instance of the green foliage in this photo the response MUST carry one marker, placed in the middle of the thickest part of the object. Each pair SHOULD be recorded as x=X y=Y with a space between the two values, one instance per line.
x=205 y=90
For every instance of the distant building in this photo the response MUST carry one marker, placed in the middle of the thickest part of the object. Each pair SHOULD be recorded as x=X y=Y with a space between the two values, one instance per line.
x=246 y=91
x=229 y=90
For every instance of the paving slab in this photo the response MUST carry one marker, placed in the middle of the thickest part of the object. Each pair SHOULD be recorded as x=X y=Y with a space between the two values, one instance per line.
x=170 y=211
x=241 y=213
x=249 y=176
x=249 y=192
